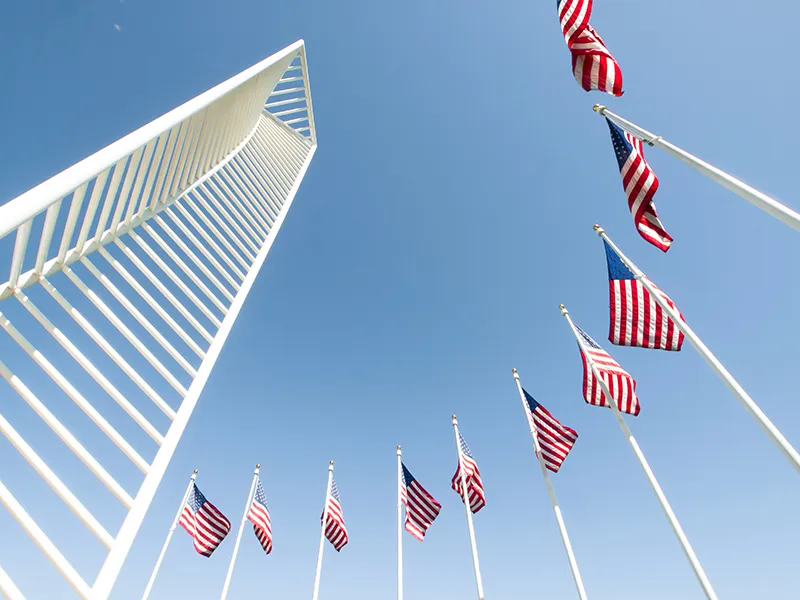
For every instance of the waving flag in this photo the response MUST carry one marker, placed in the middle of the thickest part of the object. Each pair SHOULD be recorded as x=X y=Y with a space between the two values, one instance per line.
x=621 y=385
x=258 y=515
x=333 y=518
x=636 y=318
x=421 y=508
x=204 y=522
x=640 y=184
x=592 y=64
x=555 y=440
x=475 y=492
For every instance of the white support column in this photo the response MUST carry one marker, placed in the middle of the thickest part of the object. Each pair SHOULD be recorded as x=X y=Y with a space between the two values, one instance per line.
x=699 y=573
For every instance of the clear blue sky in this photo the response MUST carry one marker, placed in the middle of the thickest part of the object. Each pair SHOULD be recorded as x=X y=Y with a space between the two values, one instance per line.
x=445 y=216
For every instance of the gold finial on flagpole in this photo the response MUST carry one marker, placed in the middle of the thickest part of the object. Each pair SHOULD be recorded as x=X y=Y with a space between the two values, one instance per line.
x=596 y=227
x=561 y=306
x=195 y=471
x=513 y=370
x=258 y=465
x=331 y=462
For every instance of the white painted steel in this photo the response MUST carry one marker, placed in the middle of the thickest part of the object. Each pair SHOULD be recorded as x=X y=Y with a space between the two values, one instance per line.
x=172 y=528
x=741 y=395
x=399 y=523
x=699 y=573
x=229 y=574
x=741 y=189
x=476 y=566
x=562 y=526
x=225 y=170
x=318 y=574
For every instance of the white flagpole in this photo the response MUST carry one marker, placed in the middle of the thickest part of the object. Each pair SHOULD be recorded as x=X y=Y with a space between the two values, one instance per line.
x=399 y=523
x=239 y=535
x=673 y=520
x=465 y=496
x=562 y=527
x=752 y=195
x=169 y=536
x=322 y=534
x=776 y=436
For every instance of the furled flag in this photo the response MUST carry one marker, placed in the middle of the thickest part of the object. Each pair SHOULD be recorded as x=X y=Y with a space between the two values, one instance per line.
x=621 y=385
x=592 y=64
x=333 y=519
x=555 y=440
x=636 y=318
x=203 y=521
x=421 y=508
x=477 y=496
x=640 y=184
x=258 y=515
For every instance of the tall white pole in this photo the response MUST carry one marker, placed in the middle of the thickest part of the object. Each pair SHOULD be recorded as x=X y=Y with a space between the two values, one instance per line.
x=465 y=496
x=562 y=527
x=169 y=536
x=322 y=534
x=239 y=535
x=752 y=195
x=399 y=523
x=673 y=520
x=776 y=436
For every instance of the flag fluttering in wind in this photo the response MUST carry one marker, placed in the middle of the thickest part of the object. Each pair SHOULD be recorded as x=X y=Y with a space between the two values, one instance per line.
x=333 y=518
x=636 y=318
x=259 y=516
x=621 y=385
x=592 y=64
x=421 y=508
x=475 y=492
x=555 y=440
x=204 y=522
x=640 y=184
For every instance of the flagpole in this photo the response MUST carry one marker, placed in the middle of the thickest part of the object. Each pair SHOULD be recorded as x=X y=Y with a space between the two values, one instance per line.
x=673 y=520
x=776 y=436
x=465 y=496
x=322 y=534
x=169 y=536
x=399 y=523
x=752 y=195
x=239 y=535
x=562 y=527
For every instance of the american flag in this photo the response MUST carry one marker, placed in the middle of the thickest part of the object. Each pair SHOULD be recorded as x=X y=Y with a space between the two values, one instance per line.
x=421 y=508
x=258 y=515
x=640 y=184
x=636 y=318
x=203 y=521
x=477 y=496
x=621 y=385
x=555 y=440
x=592 y=64
x=333 y=519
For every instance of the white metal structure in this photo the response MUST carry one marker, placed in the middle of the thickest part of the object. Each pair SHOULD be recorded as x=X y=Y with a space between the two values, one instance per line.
x=131 y=266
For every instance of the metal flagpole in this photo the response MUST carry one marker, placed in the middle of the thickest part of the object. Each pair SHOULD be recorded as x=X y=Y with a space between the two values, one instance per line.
x=776 y=436
x=322 y=534
x=239 y=535
x=169 y=536
x=752 y=195
x=465 y=496
x=399 y=523
x=562 y=527
x=673 y=520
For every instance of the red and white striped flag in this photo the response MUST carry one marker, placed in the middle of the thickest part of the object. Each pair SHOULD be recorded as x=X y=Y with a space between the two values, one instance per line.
x=421 y=508
x=259 y=516
x=621 y=385
x=204 y=522
x=592 y=64
x=475 y=491
x=333 y=518
x=640 y=184
x=636 y=318
x=555 y=440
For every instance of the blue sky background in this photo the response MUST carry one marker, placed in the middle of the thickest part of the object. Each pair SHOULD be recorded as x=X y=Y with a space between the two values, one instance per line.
x=447 y=213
